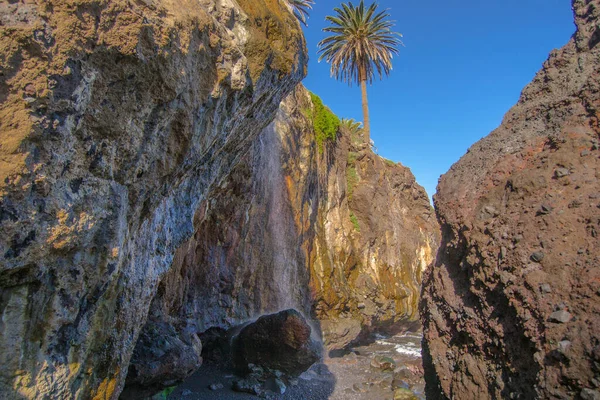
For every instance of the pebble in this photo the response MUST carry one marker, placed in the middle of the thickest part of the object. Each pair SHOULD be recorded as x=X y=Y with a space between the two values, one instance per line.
x=589 y=394
x=585 y=153
x=545 y=288
x=561 y=316
x=361 y=306
x=561 y=172
x=537 y=257
x=545 y=209
x=186 y=392
x=564 y=345
x=216 y=386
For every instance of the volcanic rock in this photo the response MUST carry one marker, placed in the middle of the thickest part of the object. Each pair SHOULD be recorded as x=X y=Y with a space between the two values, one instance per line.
x=279 y=342
x=117 y=119
x=486 y=328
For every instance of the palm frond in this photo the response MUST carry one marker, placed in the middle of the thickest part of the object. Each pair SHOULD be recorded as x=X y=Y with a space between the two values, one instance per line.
x=362 y=43
x=300 y=9
x=352 y=125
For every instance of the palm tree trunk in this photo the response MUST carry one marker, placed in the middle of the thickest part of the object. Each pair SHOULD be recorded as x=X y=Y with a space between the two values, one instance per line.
x=365 y=108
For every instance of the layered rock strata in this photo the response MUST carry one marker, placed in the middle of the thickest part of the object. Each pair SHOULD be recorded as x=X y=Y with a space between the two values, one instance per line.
x=511 y=307
x=116 y=119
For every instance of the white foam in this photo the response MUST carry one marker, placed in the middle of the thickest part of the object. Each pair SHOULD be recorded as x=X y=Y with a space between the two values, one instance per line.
x=408 y=350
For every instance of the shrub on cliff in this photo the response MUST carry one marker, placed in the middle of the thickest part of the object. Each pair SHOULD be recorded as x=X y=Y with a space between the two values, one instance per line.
x=325 y=122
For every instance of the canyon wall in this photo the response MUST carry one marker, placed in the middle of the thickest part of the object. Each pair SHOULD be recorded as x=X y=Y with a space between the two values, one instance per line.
x=154 y=186
x=511 y=307
x=280 y=231
x=116 y=119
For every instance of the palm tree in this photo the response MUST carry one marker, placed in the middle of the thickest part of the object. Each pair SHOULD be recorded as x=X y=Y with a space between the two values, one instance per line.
x=362 y=43
x=300 y=9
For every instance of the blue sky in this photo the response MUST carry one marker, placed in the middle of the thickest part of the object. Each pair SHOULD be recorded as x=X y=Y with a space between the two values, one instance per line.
x=464 y=65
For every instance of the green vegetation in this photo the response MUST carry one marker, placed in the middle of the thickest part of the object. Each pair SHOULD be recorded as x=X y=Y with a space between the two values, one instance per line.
x=325 y=122
x=389 y=162
x=354 y=221
x=165 y=393
x=354 y=129
x=362 y=44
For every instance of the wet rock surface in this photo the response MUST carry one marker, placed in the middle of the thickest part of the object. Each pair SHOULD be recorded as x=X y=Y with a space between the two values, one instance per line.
x=510 y=307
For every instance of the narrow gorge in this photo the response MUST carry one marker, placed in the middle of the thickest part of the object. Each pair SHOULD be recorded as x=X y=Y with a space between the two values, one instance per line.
x=163 y=178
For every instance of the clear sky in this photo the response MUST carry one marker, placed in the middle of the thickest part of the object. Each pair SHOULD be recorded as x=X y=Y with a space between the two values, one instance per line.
x=463 y=66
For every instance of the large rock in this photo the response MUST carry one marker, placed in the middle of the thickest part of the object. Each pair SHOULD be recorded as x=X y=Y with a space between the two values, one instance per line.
x=117 y=118
x=516 y=277
x=280 y=342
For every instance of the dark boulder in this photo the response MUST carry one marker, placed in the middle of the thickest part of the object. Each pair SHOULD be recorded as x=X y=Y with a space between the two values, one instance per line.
x=277 y=342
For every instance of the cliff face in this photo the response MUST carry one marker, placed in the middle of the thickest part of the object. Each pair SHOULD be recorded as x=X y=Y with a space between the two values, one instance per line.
x=278 y=232
x=375 y=237
x=117 y=118
x=151 y=189
x=511 y=307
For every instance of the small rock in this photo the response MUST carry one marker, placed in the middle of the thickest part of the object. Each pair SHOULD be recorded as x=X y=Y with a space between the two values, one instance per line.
x=361 y=306
x=589 y=394
x=545 y=209
x=358 y=388
x=561 y=172
x=251 y=386
x=564 y=345
x=186 y=392
x=276 y=385
x=398 y=383
x=489 y=212
x=404 y=394
x=216 y=386
x=537 y=257
x=518 y=238
x=503 y=252
x=561 y=316
x=383 y=363
x=585 y=153
x=545 y=288
x=404 y=373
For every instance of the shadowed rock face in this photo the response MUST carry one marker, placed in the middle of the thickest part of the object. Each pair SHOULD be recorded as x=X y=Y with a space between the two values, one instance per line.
x=116 y=120
x=279 y=342
x=511 y=307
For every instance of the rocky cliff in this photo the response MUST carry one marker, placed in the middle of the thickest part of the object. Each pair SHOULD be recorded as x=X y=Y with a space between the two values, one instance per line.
x=281 y=231
x=117 y=118
x=376 y=235
x=511 y=307
x=156 y=192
